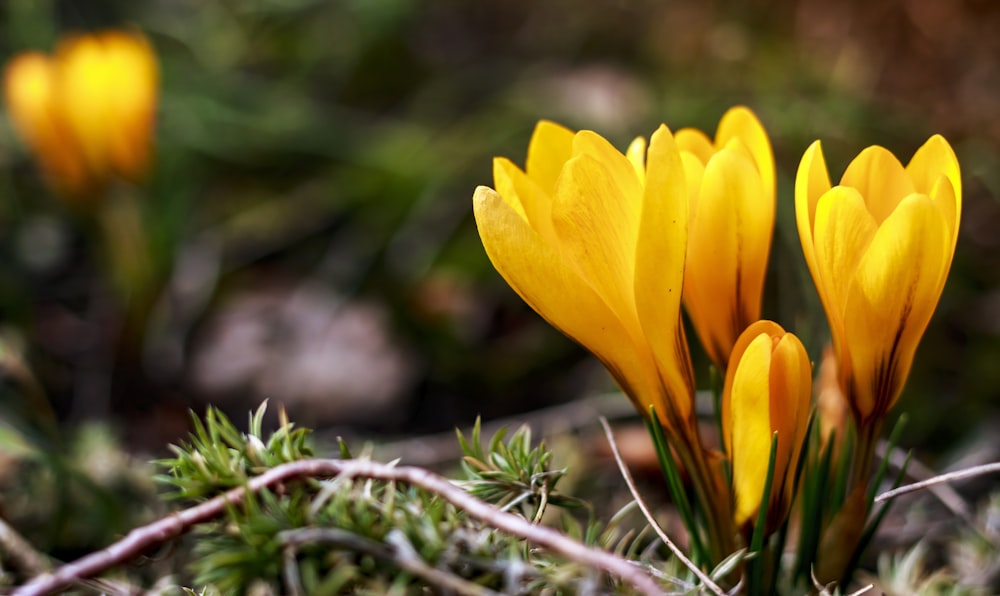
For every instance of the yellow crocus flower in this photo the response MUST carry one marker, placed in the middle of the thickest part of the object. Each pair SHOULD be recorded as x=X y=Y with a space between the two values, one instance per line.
x=594 y=241
x=768 y=389
x=88 y=111
x=732 y=196
x=879 y=246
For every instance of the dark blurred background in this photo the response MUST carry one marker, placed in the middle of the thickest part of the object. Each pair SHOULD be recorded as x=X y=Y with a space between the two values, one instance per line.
x=309 y=218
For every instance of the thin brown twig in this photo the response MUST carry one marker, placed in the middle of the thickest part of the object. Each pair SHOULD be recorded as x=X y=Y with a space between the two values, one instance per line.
x=20 y=552
x=172 y=526
x=950 y=476
x=918 y=471
x=627 y=476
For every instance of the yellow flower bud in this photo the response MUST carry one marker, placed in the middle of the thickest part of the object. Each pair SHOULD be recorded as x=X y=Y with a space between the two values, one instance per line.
x=87 y=113
x=594 y=241
x=879 y=246
x=732 y=196
x=768 y=388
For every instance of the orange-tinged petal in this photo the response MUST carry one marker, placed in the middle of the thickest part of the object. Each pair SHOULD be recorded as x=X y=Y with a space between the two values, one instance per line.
x=879 y=177
x=536 y=271
x=550 y=148
x=695 y=142
x=891 y=301
x=133 y=99
x=659 y=267
x=752 y=433
x=30 y=94
x=791 y=390
x=107 y=93
x=728 y=249
x=843 y=231
x=597 y=225
x=741 y=123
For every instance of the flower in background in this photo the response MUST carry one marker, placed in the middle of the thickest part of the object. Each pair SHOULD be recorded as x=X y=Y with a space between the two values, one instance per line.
x=88 y=111
x=732 y=196
x=768 y=390
x=594 y=241
x=879 y=246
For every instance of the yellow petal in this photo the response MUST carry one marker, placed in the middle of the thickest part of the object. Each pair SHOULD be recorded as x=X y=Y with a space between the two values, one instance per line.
x=695 y=142
x=525 y=196
x=133 y=101
x=694 y=171
x=536 y=271
x=741 y=123
x=935 y=158
x=811 y=182
x=728 y=247
x=620 y=168
x=597 y=225
x=30 y=82
x=843 y=229
x=881 y=180
x=751 y=426
x=765 y=327
x=791 y=391
x=636 y=155
x=893 y=296
x=659 y=268
x=550 y=148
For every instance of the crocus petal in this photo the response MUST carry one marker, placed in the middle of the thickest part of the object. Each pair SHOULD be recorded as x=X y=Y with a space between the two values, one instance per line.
x=811 y=182
x=659 y=267
x=892 y=299
x=525 y=196
x=695 y=142
x=879 y=177
x=550 y=147
x=727 y=251
x=752 y=435
x=740 y=123
x=843 y=229
x=536 y=271
x=30 y=96
x=620 y=169
x=791 y=390
x=694 y=172
x=763 y=327
x=597 y=225
x=636 y=155
x=935 y=158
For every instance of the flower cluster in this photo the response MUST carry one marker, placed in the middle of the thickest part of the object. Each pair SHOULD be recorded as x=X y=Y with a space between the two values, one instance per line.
x=607 y=247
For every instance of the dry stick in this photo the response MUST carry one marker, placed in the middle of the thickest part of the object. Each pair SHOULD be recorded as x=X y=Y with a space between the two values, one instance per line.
x=172 y=526
x=959 y=475
x=918 y=471
x=20 y=551
x=705 y=580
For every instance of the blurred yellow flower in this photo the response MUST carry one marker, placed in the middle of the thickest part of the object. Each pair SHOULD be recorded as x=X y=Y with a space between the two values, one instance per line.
x=879 y=247
x=594 y=241
x=88 y=111
x=732 y=195
x=768 y=389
